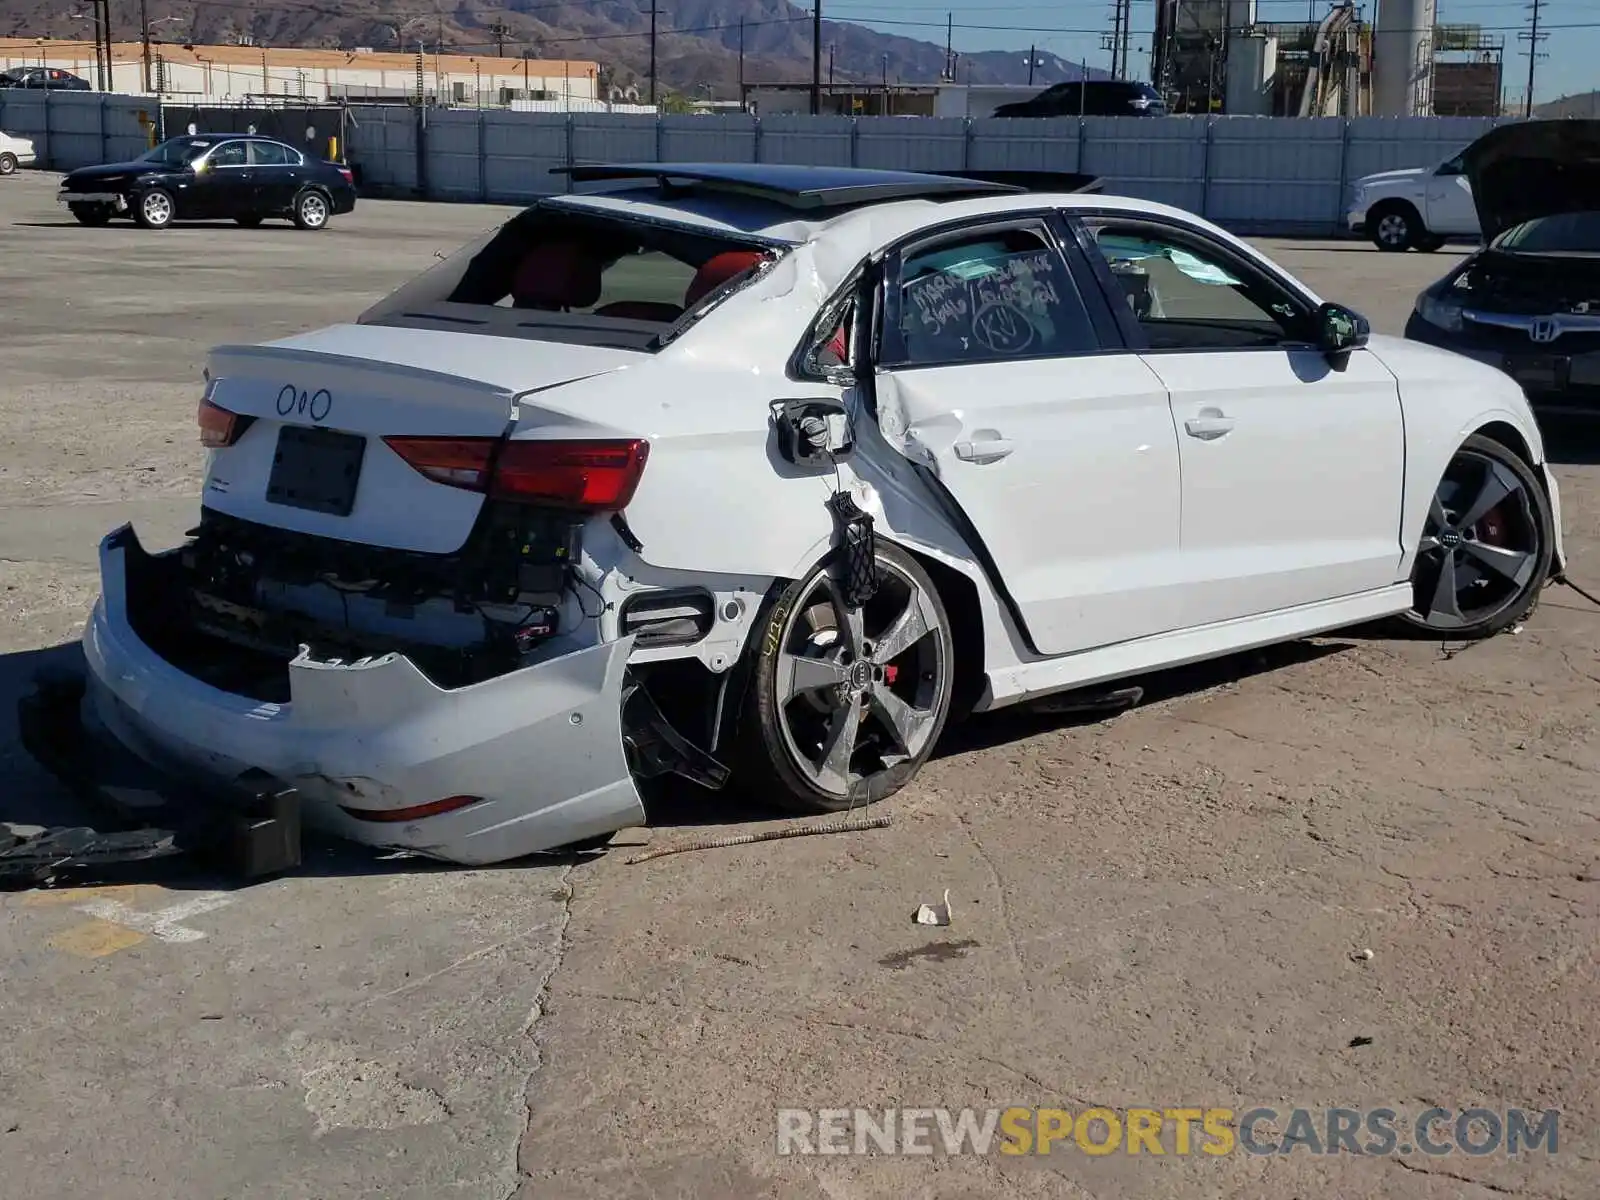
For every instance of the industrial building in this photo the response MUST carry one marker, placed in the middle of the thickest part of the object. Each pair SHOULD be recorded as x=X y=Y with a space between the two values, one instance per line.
x=240 y=74
x=893 y=100
x=1217 y=56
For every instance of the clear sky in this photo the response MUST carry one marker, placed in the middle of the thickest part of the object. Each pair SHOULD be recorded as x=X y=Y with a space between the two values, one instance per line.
x=1072 y=29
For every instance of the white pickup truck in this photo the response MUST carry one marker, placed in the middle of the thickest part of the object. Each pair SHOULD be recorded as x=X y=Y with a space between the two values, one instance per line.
x=14 y=152
x=1417 y=208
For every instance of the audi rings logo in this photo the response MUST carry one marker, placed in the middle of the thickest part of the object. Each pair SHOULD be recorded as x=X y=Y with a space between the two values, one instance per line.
x=316 y=405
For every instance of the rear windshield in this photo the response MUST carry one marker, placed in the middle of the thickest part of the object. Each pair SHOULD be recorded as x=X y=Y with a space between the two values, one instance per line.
x=560 y=275
x=1563 y=233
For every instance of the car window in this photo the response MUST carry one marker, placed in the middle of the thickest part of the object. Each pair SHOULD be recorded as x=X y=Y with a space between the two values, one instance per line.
x=996 y=295
x=1188 y=295
x=271 y=154
x=230 y=154
x=1451 y=167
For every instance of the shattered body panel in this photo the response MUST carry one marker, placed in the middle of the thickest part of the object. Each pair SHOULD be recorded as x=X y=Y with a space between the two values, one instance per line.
x=542 y=745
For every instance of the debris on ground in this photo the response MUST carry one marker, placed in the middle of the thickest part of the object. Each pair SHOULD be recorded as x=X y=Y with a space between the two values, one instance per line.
x=852 y=825
x=1361 y=956
x=935 y=914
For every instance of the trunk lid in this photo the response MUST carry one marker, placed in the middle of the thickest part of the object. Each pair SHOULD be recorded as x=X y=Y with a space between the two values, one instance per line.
x=312 y=458
x=1533 y=169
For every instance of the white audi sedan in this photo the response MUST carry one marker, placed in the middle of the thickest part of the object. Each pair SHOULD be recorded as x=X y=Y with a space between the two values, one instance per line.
x=763 y=475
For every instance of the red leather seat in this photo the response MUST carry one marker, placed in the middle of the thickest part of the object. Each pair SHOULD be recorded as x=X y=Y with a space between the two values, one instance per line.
x=716 y=271
x=555 y=277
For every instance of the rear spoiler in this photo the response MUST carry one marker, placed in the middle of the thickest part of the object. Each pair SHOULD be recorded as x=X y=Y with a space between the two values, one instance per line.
x=1034 y=181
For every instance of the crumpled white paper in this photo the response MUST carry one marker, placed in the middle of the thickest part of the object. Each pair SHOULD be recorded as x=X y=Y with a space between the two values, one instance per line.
x=935 y=914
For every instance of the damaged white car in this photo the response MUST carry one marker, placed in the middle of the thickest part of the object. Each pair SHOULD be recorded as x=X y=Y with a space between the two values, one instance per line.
x=768 y=473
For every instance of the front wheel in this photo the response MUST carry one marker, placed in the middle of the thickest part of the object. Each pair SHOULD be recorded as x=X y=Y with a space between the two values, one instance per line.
x=155 y=209
x=1395 y=227
x=8 y=163
x=847 y=703
x=1486 y=547
x=311 y=210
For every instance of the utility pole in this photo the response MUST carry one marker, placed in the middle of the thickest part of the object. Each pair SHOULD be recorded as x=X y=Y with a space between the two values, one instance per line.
x=816 y=58
x=741 y=64
x=1533 y=37
x=1033 y=61
x=949 y=56
x=652 y=52
x=144 y=38
x=498 y=32
x=830 y=66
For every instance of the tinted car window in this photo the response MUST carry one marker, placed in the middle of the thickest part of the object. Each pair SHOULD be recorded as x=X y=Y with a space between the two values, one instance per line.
x=997 y=295
x=230 y=154
x=272 y=154
x=1562 y=233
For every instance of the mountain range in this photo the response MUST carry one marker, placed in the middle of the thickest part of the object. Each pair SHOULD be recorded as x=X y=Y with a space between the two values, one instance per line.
x=698 y=42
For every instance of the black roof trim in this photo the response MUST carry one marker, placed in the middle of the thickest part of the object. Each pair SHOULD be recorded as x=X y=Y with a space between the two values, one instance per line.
x=800 y=187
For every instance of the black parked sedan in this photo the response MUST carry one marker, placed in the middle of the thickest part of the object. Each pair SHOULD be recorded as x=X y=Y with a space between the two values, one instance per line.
x=209 y=176
x=1529 y=301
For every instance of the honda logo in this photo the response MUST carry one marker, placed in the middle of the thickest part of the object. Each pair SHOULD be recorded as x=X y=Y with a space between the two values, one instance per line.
x=1544 y=329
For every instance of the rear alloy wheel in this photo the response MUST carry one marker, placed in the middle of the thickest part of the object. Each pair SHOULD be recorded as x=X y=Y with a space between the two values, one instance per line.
x=1395 y=227
x=155 y=209
x=311 y=210
x=8 y=163
x=1486 y=548
x=847 y=703
x=91 y=214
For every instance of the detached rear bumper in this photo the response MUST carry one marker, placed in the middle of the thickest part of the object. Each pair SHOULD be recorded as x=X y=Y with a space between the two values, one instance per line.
x=377 y=751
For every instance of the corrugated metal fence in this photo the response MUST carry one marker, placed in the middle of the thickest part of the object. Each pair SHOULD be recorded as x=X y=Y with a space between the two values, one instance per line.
x=77 y=129
x=1253 y=174
x=1257 y=175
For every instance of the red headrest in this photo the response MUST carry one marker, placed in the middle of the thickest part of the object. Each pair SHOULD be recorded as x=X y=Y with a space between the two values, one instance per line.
x=556 y=275
x=715 y=272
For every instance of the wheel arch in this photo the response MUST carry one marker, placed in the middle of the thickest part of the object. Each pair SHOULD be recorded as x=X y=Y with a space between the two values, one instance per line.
x=961 y=602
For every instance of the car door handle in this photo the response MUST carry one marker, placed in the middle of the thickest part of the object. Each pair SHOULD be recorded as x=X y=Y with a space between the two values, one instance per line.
x=1211 y=424
x=987 y=451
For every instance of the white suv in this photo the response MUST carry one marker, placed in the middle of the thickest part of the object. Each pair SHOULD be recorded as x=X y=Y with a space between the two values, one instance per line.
x=1417 y=208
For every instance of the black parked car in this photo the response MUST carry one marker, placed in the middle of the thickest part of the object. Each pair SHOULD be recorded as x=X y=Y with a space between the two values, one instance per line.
x=43 y=77
x=1091 y=98
x=207 y=176
x=1529 y=301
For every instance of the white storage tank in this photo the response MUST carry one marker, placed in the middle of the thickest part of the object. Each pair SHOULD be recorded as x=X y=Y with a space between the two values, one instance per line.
x=1402 y=58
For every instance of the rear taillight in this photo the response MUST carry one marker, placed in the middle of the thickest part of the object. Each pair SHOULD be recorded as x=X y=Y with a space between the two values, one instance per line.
x=599 y=476
x=220 y=428
x=349 y=175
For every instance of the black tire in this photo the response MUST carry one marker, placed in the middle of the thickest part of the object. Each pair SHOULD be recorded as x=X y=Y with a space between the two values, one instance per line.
x=1395 y=226
x=91 y=214
x=1490 y=527
x=1428 y=242
x=248 y=222
x=807 y=685
x=8 y=163
x=154 y=209
x=312 y=209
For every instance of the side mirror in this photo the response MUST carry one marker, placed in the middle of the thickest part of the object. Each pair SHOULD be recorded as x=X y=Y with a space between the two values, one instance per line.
x=1341 y=330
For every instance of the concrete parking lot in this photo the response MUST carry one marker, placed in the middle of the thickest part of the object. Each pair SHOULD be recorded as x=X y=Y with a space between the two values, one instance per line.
x=1165 y=909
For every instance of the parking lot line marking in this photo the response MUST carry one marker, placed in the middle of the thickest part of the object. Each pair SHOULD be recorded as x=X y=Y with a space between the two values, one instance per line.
x=95 y=939
x=76 y=896
x=163 y=923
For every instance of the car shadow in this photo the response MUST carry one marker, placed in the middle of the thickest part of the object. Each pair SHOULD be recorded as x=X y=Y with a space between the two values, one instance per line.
x=33 y=798
x=1570 y=441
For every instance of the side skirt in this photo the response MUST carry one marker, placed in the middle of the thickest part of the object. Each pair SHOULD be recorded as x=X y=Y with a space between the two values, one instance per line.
x=1027 y=681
